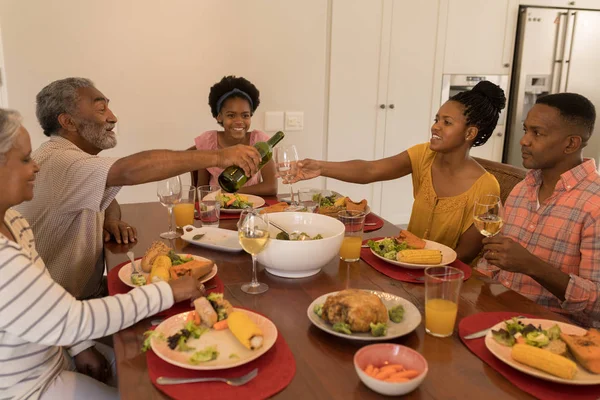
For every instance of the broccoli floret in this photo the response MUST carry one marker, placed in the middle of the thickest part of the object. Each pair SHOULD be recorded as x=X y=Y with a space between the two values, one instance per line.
x=503 y=337
x=537 y=339
x=378 y=329
x=342 y=328
x=396 y=313
x=318 y=310
x=553 y=333
x=208 y=354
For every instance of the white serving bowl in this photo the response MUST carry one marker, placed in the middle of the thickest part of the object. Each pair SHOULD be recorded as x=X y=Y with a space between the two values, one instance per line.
x=299 y=259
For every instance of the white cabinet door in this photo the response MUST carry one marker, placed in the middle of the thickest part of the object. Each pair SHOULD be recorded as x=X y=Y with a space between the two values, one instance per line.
x=410 y=89
x=475 y=37
x=356 y=32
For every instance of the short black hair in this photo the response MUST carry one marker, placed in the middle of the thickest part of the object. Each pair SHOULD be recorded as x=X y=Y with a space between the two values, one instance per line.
x=482 y=104
x=227 y=84
x=574 y=108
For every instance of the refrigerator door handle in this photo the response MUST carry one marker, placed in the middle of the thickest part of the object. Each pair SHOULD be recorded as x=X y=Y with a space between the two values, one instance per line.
x=559 y=49
x=571 y=23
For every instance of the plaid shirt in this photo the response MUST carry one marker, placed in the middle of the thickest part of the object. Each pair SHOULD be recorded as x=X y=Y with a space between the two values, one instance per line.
x=563 y=232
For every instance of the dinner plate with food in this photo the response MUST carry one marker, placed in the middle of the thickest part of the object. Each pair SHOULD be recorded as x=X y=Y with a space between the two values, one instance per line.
x=212 y=238
x=409 y=251
x=329 y=205
x=234 y=203
x=550 y=350
x=213 y=336
x=161 y=263
x=364 y=315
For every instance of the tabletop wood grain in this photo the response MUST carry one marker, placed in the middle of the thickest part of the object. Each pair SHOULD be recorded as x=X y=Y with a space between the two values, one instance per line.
x=324 y=362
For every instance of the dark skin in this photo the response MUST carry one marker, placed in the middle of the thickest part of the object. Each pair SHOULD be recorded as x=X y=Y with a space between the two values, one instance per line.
x=453 y=171
x=235 y=117
x=555 y=146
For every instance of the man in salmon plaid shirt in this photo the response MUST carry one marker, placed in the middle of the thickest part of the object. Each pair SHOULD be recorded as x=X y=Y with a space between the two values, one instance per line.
x=549 y=250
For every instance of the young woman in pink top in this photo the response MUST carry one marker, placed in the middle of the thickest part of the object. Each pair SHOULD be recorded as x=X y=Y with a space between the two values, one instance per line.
x=233 y=102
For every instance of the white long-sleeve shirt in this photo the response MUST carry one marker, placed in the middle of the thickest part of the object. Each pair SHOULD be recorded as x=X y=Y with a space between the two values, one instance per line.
x=37 y=315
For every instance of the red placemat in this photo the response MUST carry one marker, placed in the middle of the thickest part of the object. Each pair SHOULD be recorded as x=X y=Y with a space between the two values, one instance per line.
x=537 y=387
x=399 y=273
x=276 y=369
x=268 y=202
x=116 y=286
x=372 y=219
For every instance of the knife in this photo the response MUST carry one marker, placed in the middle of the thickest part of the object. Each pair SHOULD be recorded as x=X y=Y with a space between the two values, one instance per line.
x=484 y=332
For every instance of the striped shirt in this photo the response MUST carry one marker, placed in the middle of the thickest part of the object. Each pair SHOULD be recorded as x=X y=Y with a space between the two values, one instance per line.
x=564 y=232
x=67 y=214
x=37 y=316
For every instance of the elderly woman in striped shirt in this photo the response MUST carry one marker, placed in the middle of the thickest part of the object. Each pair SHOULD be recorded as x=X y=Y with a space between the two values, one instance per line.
x=38 y=316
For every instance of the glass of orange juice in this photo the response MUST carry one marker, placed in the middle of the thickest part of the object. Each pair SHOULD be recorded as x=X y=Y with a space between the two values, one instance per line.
x=184 y=209
x=354 y=221
x=442 y=290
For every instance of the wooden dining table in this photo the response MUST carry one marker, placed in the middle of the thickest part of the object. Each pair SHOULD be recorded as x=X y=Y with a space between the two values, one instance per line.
x=324 y=362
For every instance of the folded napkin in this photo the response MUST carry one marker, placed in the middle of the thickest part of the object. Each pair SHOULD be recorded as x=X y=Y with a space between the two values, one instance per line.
x=400 y=273
x=540 y=388
x=276 y=369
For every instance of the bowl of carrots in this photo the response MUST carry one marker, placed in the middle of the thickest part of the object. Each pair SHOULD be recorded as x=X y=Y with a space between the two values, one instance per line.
x=390 y=369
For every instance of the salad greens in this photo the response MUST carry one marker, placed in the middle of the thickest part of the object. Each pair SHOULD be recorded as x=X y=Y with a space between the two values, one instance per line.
x=301 y=236
x=148 y=335
x=387 y=248
x=529 y=334
x=177 y=259
x=326 y=201
x=233 y=201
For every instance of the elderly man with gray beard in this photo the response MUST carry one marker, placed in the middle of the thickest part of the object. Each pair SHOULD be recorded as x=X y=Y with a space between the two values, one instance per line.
x=74 y=210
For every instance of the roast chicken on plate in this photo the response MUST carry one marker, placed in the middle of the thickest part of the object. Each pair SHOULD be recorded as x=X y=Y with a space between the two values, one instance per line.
x=356 y=308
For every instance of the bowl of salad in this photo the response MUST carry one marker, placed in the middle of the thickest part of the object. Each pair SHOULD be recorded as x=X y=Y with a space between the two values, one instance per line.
x=316 y=240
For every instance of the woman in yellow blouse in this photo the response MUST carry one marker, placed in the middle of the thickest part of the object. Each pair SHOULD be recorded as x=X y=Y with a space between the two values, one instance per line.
x=446 y=180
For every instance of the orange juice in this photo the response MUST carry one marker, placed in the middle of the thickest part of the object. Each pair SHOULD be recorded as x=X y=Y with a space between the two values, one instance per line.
x=184 y=214
x=350 y=250
x=440 y=316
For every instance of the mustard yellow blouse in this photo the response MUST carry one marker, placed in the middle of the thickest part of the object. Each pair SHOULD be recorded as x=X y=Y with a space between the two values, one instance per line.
x=442 y=219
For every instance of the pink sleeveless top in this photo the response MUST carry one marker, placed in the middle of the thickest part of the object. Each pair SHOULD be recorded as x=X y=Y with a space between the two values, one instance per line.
x=208 y=141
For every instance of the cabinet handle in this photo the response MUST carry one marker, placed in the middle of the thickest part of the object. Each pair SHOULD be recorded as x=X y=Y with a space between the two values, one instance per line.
x=382 y=106
x=506 y=65
x=391 y=106
x=499 y=134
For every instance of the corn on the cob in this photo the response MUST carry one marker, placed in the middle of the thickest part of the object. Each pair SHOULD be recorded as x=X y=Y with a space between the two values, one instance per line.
x=420 y=256
x=162 y=262
x=245 y=330
x=544 y=360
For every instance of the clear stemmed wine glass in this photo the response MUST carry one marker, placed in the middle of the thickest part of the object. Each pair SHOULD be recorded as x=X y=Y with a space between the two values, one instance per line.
x=487 y=215
x=286 y=159
x=253 y=233
x=169 y=193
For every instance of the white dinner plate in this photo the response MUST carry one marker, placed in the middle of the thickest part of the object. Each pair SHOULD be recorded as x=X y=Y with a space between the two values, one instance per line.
x=502 y=352
x=448 y=256
x=255 y=200
x=412 y=318
x=214 y=238
x=125 y=272
x=231 y=352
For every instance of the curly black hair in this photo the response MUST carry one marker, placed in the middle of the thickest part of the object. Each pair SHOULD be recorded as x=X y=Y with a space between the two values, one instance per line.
x=227 y=84
x=482 y=104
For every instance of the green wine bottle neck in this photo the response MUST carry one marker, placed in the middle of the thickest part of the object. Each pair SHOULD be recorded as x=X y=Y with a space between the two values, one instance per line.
x=276 y=138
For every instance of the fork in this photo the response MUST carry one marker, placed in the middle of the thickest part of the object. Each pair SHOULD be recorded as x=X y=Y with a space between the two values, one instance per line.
x=416 y=278
x=242 y=380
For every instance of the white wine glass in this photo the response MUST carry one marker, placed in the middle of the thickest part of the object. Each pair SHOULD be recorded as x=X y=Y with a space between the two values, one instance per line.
x=488 y=215
x=286 y=159
x=253 y=233
x=169 y=193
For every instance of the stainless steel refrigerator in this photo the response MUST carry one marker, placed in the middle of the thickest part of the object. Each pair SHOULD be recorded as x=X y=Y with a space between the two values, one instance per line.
x=557 y=50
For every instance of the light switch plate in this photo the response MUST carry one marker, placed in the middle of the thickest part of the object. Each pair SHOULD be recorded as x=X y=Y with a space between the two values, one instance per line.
x=294 y=120
x=273 y=121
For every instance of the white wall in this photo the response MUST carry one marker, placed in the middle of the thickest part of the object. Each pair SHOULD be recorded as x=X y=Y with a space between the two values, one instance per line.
x=156 y=61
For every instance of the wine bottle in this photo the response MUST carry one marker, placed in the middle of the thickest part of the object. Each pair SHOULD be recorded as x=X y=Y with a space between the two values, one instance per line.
x=233 y=177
